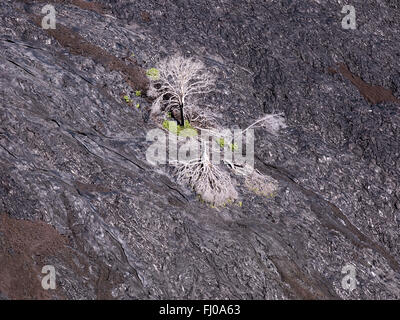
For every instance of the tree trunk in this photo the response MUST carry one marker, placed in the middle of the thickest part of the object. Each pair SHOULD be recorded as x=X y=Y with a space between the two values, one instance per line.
x=182 y=117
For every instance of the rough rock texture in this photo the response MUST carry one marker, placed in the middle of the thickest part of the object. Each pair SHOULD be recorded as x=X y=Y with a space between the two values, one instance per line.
x=76 y=191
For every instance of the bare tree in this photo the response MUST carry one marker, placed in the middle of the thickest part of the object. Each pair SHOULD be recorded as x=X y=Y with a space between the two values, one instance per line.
x=213 y=184
x=181 y=80
x=177 y=89
x=271 y=122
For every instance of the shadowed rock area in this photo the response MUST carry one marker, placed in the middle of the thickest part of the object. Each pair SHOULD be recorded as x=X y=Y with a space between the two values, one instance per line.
x=76 y=191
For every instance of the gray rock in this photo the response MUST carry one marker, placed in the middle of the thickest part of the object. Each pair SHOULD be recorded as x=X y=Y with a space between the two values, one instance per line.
x=72 y=152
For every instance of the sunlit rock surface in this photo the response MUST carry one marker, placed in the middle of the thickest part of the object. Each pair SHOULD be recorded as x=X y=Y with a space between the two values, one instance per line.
x=76 y=191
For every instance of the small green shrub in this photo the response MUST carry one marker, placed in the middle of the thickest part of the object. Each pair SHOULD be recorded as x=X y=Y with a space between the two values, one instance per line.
x=221 y=142
x=153 y=74
x=184 y=131
x=232 y=146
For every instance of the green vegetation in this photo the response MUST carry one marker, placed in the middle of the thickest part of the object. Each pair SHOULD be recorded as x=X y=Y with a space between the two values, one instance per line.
x=127 y=99
x=232 y=146
x=185 y=131
x=221 y=142
x=138 y=93
x=153 y=74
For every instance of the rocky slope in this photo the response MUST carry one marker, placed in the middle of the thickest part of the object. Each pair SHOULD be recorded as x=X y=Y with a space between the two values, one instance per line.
x=76 y=191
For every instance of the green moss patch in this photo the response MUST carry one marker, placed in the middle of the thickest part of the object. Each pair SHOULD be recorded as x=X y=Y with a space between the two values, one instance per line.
x=185 y=131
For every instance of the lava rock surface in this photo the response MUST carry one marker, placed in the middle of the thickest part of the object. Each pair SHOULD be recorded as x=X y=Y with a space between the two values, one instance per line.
x=77 y=192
